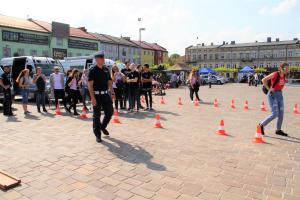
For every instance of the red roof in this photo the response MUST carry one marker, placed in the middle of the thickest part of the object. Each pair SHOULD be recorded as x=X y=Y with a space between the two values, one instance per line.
x=142 y=44
x=19 y=23
x=156 y=47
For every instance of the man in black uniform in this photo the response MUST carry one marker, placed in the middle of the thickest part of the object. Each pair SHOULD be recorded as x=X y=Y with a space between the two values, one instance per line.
x=126 y=71
x=5 y=83
x=100 y=88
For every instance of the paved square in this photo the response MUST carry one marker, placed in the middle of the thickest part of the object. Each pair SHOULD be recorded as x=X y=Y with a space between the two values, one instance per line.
x=58 y=157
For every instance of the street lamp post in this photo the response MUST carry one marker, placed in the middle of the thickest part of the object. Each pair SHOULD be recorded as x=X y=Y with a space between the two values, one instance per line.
x=140 y=39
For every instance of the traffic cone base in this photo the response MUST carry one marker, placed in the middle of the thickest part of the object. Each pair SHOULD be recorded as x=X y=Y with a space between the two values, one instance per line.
x=295 y=109
x=263 y=107
x=216 y=103
x=116 y=118
x=196 y=103
x=57 y=110
x=232 y=104
x=221 y=130
x=157 y=122
x=179 y=101
x=246 y=107
x=162 y=101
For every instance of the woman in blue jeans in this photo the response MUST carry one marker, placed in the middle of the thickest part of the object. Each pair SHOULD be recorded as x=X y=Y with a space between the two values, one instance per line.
x=275 y=98
x=23 y=81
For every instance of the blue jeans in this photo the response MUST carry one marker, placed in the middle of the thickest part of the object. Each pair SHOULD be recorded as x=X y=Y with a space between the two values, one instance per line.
x=25 y=94
x=275 y=100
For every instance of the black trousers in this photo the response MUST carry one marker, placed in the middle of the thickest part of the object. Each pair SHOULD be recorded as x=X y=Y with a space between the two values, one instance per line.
x=7 y=109
x=125 y=95
x=148 y=97
x=192 y=91
x=74 y=97
x=133 y=98
x=119 y=98
x=105 y=102
x=60 y=94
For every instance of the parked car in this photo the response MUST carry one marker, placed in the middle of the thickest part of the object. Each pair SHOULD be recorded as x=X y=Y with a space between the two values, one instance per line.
x=214 y=79
x=30 y=62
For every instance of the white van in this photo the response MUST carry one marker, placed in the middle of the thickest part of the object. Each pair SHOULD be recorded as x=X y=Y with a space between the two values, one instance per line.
x=17 y=64
x=82 y=62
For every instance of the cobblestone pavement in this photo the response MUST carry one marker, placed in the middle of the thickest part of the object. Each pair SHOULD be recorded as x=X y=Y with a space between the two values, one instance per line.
x=58 y=157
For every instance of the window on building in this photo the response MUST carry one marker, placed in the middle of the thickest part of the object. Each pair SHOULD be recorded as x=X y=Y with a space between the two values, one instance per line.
x=45 y=53
x=210 y=56
x=129 y=50
x=228 y=65
x=148 y=52
x=70 y=54
x=275 y=65
x=89 y=54
x=204 y=56
x=290 y=53
x=78 y=54
x=33 y=52
x=241 y=55
x=261 y=65
x=194 y=57
x=234 y=55
x=144 y=52
x=222 y=55
x=228 y=56
x=20 y=52
x=59 y=42
x=216 y=56
x=6 y=52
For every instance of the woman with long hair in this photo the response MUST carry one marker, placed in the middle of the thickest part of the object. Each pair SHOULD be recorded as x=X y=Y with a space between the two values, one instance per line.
x=274 y=83
x=84 y=87
x=194 y=85
x=118 y=86
x=23 y=81
x=72 y=82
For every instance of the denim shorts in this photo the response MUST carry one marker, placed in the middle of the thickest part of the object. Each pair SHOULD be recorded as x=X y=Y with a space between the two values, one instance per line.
x=25 y=94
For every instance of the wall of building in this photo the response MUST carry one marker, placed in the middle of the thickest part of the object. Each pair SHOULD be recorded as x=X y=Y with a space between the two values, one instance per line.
x=128 y=53
x=111 y=50
x=20 y=47
x=147 y=56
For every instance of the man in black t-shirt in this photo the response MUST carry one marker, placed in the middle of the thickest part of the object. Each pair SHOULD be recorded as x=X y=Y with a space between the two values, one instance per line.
x=5 y=83
x=132 y=80
x=147 y=86
x=40 y=81
x=125 y=95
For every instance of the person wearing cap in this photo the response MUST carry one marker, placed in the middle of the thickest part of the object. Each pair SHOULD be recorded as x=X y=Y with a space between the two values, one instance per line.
x=57 y=84
x=101 y=93
x=5 y=83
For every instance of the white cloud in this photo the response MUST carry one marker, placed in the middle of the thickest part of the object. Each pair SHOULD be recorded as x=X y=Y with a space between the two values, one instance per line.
x=282 y=7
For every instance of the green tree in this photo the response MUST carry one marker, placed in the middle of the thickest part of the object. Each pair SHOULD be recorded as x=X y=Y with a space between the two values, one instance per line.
x=173 y=59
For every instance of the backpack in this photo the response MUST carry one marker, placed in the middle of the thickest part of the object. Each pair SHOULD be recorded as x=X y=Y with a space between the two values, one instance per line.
x=265 y=90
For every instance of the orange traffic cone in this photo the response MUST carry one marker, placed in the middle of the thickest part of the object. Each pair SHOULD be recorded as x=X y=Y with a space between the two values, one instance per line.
x=116 y=118
x=263 y=107
x=57 y=110
x=83 y=113
x=196 y=102
x=157 y=121
x=246 y=107
x=258 y=137
x=216 y=103
x=232 y=104
x=162 y=101
x=295 y=109
x=221 y=130
x=179 y=101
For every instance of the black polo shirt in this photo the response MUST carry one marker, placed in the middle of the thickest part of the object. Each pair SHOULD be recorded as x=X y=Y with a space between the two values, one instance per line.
x=100 y=78
x=133 y=75
x=147 y=75
x=6 y=79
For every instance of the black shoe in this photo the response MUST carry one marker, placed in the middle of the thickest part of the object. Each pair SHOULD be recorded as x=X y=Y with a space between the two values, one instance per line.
x=280 y=132
x=262 y=129
x=68 y=110
x=76 y=113
x=39 y=111
x=105 y=132
x=44 y=110
x=98 y=139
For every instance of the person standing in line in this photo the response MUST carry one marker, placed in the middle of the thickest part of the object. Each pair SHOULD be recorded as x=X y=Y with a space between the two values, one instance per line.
x=146 y=79
x=194 y=85
x=255 y=79
x=23 y=81
x=139 y=69
x=275 y=98
x=209 y=79
x=84 y=87
x=57 y=84
x=118 y=85
x=72 y=83
x=67 y=88
x=39 y=79
x=6 y=83
x=101 y=93
x=126 y=71
x=132 y=80
x=173 y=80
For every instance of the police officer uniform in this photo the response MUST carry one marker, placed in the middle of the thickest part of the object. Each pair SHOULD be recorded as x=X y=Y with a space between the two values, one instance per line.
x=101 y=77
x=7 y=104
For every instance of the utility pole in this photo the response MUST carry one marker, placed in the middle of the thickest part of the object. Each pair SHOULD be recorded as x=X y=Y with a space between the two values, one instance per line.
x=140 y=39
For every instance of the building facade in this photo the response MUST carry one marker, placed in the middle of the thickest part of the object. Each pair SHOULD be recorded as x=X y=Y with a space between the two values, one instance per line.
x=29 y=37
x=160 y=53
x=267 y=54
x=110 y=47
x=146 y=52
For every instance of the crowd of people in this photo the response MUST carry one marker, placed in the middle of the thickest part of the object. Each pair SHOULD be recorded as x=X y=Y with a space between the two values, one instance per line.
x=129 y=84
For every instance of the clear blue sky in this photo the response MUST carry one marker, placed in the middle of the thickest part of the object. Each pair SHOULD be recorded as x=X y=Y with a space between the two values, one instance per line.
x=175 y=24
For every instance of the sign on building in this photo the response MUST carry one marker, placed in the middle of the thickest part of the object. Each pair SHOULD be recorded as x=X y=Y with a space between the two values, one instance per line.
x=59 y=53
x=78 y=44
x=27 y=38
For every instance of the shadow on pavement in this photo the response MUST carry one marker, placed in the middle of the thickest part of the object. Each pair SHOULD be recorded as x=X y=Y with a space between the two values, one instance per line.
x=288 y=139
x=132 y=154
x=12 y=119
x=30 y=116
